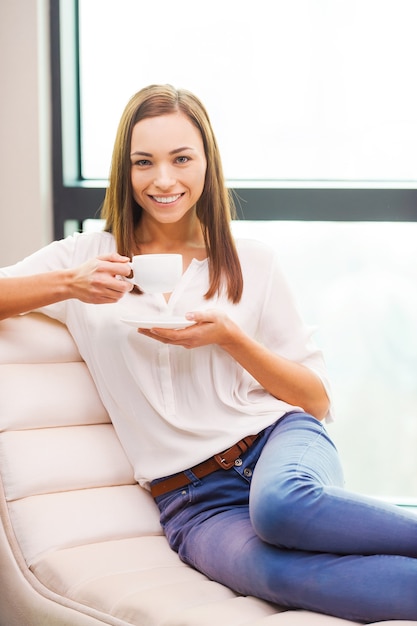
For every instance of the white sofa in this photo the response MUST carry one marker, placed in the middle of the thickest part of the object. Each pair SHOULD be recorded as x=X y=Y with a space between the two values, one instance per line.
x=80 y=541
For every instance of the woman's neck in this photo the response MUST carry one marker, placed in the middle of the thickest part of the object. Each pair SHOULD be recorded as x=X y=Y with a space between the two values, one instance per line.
x=180 y=238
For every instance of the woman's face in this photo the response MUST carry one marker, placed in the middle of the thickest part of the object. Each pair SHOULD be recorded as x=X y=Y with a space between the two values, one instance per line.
x=168 y=166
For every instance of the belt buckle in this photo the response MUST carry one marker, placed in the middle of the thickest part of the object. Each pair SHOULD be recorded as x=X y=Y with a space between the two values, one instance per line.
x=222 y=462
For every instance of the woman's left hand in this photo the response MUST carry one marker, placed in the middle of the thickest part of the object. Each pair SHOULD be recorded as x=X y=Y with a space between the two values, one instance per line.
x=211 y=327
x=287 y=380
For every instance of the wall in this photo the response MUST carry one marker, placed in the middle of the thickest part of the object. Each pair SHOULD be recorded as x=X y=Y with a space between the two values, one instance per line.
x=25 y=172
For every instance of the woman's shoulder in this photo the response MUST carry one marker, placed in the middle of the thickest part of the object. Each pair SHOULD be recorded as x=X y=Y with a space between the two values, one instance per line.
x=80 y=244
x=79 y=247
x=92 y=243
x=254 y=250
x=72 y=250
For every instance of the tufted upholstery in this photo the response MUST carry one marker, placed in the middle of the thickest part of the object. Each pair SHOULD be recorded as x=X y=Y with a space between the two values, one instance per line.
x=80 y=541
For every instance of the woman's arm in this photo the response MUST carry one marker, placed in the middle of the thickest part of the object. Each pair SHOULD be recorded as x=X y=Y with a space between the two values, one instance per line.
x=95 y=282
x=287 y=380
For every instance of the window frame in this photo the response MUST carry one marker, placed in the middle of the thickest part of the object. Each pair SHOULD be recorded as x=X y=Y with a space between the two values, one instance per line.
x=76 y=199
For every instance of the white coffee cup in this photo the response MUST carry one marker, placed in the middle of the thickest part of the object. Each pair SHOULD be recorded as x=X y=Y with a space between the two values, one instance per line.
x=156 y=273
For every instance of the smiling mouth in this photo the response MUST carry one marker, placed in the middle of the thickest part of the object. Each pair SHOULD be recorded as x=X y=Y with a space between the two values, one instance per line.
x=166 y=199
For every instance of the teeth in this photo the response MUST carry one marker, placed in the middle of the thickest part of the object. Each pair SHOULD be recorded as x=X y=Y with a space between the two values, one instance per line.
x=166 y=199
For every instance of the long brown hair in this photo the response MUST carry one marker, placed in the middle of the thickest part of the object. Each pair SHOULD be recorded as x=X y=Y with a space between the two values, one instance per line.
x=215 y=207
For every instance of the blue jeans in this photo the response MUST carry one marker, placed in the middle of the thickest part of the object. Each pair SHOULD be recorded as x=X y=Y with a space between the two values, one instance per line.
x=281 y=527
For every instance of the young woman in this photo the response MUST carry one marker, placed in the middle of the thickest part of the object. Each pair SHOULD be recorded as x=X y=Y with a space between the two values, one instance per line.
x=221 y=420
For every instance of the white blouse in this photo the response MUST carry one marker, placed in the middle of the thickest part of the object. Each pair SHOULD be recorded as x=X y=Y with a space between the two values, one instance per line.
x=172 y=407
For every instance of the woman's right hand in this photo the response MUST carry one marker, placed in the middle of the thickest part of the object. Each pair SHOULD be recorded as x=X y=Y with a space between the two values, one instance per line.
x=100 y=280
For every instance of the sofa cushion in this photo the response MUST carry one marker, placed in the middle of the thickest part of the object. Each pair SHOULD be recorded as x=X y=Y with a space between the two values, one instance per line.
x=53 y=460
x=140 y=581
x=47 y=395
x=74 y=518
x=35 y=338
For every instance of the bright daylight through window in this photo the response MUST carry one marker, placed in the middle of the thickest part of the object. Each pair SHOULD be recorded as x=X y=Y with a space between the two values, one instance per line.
x=323 y=91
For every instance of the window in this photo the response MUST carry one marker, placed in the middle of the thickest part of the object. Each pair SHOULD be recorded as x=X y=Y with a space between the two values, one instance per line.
x=314 y=103
x=315 y=108
x=297 y=91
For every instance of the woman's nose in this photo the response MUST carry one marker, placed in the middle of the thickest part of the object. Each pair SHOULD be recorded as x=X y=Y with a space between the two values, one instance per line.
x=164 y=179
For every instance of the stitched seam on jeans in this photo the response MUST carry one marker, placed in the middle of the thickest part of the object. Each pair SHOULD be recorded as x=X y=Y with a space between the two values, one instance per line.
x=310 y=446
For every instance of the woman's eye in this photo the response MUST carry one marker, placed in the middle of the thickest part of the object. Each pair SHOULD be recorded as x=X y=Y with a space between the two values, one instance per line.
x=142 y=162
x=183 y=159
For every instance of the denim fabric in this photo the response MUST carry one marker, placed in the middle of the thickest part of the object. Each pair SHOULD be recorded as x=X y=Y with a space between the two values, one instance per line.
x=281 y=526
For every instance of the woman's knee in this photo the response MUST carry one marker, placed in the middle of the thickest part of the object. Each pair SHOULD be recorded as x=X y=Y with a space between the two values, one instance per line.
x=280 y=512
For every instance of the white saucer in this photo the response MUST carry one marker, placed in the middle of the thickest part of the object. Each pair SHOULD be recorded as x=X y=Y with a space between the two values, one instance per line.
x=161 y=322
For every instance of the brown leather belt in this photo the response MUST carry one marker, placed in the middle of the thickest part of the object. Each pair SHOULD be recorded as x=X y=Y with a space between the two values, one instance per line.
x=224 y=460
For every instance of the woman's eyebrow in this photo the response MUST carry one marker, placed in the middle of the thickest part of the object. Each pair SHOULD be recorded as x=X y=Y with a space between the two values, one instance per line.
x=148 y=154
x=181 y=149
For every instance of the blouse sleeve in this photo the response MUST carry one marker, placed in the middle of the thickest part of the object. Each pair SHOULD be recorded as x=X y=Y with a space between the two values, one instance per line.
x=58 y=255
